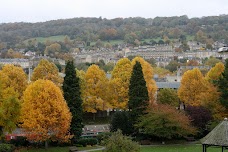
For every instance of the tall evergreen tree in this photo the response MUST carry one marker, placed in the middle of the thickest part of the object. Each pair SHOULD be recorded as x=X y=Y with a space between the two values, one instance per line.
x=72 y=95
x=223 y=86
x=138 y=93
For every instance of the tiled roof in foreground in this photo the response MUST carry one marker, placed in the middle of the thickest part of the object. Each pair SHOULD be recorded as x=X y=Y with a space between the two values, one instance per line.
x=218 y=136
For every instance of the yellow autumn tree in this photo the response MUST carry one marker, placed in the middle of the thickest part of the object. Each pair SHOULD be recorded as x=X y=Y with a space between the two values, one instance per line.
x=119 y=84
x=215 y=72
x=13 y=54
x=13 y=81
x=44 y=113
x=95 y=90
x=210 y=100
x=13 y=77
x=48 y=71
x=148 y=76
x=53 y=49
x=81 y=75
x=192 y=86
x=161 y=72
x=9 y=109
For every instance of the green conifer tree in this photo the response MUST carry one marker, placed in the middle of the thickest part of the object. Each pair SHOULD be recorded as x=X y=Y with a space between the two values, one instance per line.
x=72 y=95
x=138 y=94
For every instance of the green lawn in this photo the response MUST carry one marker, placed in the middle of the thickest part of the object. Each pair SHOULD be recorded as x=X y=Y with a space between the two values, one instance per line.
x=155 y=39
x=162 y=148
x=44 y=39
x=178 y=148
x=113 y=42
x=190 y=37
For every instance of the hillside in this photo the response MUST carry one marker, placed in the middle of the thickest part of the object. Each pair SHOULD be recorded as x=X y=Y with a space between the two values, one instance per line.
x=128 y=29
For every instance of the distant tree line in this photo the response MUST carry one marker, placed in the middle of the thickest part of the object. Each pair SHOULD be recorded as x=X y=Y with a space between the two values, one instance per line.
x=128 y=29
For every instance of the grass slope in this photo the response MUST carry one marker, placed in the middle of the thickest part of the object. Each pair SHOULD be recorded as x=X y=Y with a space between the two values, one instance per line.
x=178 y=148
x=112 y=42
x=188 y=38
x=44 y=39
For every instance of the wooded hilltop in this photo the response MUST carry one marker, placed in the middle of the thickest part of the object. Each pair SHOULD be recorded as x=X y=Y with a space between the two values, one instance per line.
x=206 y=29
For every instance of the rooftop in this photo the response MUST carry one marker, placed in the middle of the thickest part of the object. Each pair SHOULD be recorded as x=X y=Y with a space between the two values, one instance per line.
x=218 y=136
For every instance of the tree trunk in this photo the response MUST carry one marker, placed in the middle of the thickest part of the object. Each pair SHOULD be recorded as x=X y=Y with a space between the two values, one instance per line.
x=94 y=115
x=46 y=145
x=1 y=134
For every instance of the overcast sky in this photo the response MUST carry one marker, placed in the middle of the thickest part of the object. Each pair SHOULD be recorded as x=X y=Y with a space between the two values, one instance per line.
x=44 y=10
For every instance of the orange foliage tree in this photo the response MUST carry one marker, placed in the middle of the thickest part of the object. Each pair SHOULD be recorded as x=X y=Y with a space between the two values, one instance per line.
x=192 y=63
x=44 y=113
x=13 y=77
x=13 y=54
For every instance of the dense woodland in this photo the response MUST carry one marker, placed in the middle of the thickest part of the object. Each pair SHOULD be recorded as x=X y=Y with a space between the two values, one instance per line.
x=92 y=29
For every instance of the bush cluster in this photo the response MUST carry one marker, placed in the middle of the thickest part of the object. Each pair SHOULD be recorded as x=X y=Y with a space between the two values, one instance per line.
x=103 y=136
x=19 y=141
x=87 y=141
x=59 y=144
x=7 y=148
x=118 y=142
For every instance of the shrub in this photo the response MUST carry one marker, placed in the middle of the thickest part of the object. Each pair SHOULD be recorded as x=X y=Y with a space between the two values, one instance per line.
x=168 y=96
x=87 y=141
x=92 y=141
x=145 y=142
x=165 y=122
x=61 y=144
x=19 y=141
x=200 y=117
x=7 y=148
x=38 y=144
x=118 y=142
x=103 y=136
x=78 y=145
x=82 y=142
